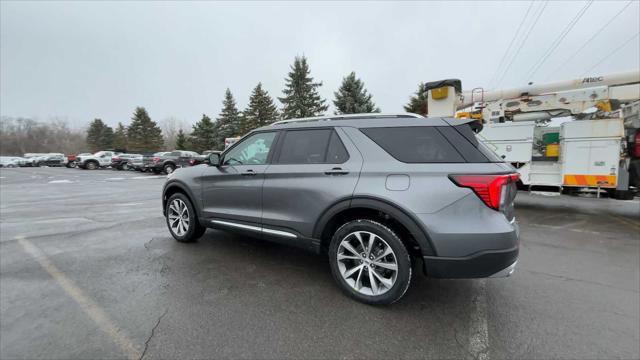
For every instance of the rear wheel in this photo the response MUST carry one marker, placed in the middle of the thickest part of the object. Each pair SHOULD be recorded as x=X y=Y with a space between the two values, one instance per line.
x=369 y=262
x=182 y=220
x=91 y=165
x=169 y=168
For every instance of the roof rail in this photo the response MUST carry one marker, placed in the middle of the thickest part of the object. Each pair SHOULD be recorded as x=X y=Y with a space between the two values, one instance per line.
x=348 y=117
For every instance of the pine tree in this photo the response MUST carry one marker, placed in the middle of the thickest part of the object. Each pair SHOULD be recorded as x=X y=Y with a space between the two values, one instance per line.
x=352 y=97
x=120 y=137
x=181 y=140
x=229 y=120
x=143 y=134
x=204 y=135
x=301 y=97
x=261 y=111
x=418 y=103
x=99 y=136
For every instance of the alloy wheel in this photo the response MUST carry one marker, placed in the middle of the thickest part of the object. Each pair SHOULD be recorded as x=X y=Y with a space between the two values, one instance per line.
x=178 y=217
x=367 y=263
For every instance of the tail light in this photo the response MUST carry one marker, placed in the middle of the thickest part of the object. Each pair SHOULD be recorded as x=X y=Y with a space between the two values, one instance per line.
x=155 y=159
x=635 y=152
x=192 y=161
x=496 y=191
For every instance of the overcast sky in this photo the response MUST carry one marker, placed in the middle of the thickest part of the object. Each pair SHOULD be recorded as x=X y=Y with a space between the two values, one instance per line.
x=86 y=60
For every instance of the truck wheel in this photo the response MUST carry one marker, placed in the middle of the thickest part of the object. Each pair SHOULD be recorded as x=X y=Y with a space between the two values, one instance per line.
x=71 y=164
x=169 y=168
x=92 y=165
x=621 y=194
x=182 y=220
x=369 y=262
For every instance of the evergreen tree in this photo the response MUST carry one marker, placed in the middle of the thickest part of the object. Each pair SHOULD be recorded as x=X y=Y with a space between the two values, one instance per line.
x=352 y=97
x=99 y=136
x=260 y=112
x=181 y=140
x=418 y=103
x=228 y=122
x=204 y=135
x=143 y=134
x=120 y=137
x=301 y=98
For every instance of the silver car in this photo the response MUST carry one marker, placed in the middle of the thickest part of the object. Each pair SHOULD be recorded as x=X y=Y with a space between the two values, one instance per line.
x=376 y=193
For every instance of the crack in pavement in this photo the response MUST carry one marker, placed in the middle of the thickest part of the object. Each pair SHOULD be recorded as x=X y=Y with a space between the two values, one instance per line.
x=153 y=331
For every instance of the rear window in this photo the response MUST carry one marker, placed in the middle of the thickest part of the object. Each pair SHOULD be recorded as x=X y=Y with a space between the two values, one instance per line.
x=415 y=144
x=432 y=144
x=317 y=146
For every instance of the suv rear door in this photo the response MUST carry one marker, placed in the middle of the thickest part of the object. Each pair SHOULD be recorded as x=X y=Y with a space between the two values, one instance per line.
x=311 y=170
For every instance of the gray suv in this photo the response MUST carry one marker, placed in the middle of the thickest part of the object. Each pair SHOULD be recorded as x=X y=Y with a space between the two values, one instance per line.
x=377 y=193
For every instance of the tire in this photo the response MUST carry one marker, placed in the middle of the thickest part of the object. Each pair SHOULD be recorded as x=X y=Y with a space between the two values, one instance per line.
x=124 y=167
x=71 y=164
x=91 y=165
x=622 y=194
x=175 y=205
x=384 y=239
x=169 y=168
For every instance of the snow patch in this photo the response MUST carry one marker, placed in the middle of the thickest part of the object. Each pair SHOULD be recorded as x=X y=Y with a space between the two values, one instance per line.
x=60 y=182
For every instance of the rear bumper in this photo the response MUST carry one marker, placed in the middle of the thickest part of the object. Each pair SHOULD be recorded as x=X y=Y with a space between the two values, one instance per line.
x=491 y=263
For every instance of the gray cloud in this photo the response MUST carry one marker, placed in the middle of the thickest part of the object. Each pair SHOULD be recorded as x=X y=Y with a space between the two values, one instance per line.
x=82 y=60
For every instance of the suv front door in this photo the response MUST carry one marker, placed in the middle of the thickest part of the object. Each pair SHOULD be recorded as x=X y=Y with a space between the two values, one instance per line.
x=232 y=192
x=313 y=168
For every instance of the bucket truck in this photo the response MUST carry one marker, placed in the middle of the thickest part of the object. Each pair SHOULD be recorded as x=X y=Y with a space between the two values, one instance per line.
x=598 y=145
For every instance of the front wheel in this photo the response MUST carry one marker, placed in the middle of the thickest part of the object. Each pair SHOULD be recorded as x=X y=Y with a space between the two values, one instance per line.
x=91 y=165
x=369 y=262
x=182 y=220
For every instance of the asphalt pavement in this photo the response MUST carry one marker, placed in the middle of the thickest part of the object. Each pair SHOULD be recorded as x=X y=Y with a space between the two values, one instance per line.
x=89 y=270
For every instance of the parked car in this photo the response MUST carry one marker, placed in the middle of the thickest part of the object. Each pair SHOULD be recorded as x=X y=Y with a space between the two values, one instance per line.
x=71 y=161
x=10 y=161
x=374 y=192
x=135 y=163
x=121 y=161
x=98 y=160
x=45 y=159
x=169 y=161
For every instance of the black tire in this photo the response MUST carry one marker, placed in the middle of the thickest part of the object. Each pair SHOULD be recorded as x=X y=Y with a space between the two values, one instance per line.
x=124 y=167
x=169 y=168
x=621 y=194
x=403 y=277
x=91 y=165
x=71 y=164
x=195 y=230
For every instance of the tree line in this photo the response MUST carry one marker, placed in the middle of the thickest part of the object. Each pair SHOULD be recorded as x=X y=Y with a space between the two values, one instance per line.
x=300 y=99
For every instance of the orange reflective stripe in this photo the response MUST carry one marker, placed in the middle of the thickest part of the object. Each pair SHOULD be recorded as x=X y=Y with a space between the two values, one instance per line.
x=590 y=180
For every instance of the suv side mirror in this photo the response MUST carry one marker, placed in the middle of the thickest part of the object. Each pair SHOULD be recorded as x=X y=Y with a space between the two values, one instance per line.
x=214 y=159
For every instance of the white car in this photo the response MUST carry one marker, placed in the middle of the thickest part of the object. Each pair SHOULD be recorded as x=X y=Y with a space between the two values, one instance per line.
x=10 y=161
x=98 y=160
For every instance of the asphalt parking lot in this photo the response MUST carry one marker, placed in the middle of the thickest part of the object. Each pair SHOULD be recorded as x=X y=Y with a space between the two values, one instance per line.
x=88 y=270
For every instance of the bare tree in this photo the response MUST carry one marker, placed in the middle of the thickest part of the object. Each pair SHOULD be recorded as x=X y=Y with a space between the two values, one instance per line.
x=22 y=135
x=170 y=127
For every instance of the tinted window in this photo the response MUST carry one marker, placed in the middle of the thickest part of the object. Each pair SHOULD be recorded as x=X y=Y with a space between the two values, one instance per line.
x=305 y=146
x=251 y=151
x=466 y=131
x=466 y=148
x=415 y=144
x=336 y=154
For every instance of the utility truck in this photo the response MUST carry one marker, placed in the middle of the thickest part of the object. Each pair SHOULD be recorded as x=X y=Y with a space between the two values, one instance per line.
x=571 y=135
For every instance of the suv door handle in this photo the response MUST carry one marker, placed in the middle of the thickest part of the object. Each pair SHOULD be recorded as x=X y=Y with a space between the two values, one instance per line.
x=336 y=171
x=248 y=173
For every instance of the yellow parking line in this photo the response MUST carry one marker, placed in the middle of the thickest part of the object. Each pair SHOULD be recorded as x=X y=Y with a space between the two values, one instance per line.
x=631 y=223
x=92 y=309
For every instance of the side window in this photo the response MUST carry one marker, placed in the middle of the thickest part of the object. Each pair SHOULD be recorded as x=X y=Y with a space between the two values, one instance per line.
x=417 y=144
x=174 y=153
x=305 y=146
x=251 y=151
x=336 y=154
